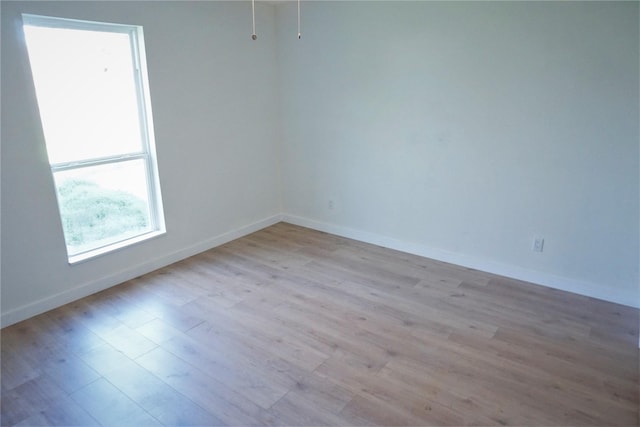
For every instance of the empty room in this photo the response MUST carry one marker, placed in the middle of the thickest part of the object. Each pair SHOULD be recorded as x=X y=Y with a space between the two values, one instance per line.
x=304 y=213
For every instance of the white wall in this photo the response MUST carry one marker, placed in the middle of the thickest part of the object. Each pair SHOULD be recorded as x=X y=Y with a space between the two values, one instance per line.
x=454 y=130
x=213 y=92
x=461 y=130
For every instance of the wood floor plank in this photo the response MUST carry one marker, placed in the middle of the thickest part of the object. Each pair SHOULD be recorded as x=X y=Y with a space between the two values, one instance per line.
x=28 y=399
x=166 y=310
x=227 y=368
x=158 y=331
x=295 y=409
x=258 y=338
x=290 y=326
x=69 y=330
x=128 y=341
x=69 y=373
x=64 y=412
x=15 y=370
x=473 y=410
x=622 y=390
x=112 y=302
x=156 y=397
x=581 y=353
x=372 y=411
x=109 y=406
x=231 y=407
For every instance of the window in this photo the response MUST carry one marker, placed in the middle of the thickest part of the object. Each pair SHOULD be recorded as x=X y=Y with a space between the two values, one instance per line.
x=92 y=90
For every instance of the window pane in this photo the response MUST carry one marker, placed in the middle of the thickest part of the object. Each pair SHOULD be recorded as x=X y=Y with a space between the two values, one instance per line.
x=86 y=89
x=100 y=205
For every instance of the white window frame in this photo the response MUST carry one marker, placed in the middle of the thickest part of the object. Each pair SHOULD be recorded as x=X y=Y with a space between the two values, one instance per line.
x=148 y=151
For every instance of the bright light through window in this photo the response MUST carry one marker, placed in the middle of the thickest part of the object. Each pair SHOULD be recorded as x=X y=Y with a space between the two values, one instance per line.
x=91 y=86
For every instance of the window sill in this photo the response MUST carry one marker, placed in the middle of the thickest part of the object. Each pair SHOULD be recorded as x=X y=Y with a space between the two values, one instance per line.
x=86 y=256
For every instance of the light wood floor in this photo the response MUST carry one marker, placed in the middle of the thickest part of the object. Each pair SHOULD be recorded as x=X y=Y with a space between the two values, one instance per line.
x=290 y=326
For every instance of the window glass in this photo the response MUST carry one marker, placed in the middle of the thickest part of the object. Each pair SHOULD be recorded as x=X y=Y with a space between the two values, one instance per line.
x=86 y=92
x=92 y=97
x=103 y=204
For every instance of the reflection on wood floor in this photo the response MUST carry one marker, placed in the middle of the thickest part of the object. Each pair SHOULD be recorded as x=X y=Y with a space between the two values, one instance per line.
x=290 y=326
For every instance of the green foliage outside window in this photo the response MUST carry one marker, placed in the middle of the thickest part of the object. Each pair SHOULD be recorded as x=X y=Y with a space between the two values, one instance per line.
x=91 y=213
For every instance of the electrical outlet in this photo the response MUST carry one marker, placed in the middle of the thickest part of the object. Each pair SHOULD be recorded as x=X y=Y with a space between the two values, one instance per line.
x=538 y=244
x=331 y=205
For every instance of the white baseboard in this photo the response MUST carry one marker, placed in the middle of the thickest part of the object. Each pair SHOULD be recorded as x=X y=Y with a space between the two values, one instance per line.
x=102 y=283
x=571 y=285
x=540 y=278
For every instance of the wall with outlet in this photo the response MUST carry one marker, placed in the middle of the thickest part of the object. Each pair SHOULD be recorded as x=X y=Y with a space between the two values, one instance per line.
x=497 y=135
